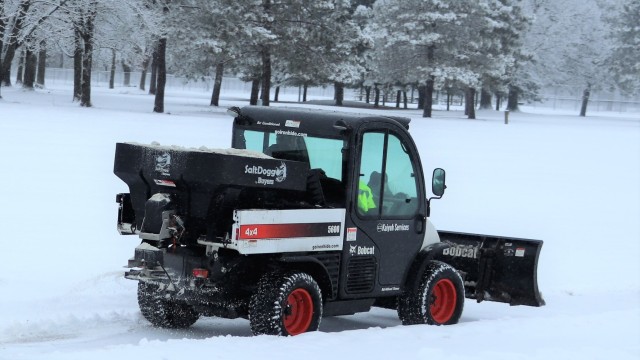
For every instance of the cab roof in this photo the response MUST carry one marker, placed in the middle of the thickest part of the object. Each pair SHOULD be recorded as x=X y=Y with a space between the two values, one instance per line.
x=307 y=121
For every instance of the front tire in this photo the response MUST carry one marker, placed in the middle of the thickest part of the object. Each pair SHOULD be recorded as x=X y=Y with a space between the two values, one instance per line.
x=163 y=312
x=438 y=299
x=285 y=304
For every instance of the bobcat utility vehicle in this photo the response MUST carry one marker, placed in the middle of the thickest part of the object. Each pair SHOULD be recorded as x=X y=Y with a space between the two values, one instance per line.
x=310 y=213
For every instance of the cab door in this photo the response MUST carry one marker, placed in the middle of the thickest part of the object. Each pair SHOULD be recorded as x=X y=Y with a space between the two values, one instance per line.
x=387 y=216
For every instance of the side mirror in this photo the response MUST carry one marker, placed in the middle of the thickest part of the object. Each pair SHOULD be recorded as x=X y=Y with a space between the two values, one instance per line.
x=438 y=182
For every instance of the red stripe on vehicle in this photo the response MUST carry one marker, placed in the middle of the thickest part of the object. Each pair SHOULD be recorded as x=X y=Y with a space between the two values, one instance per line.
x=282 y=231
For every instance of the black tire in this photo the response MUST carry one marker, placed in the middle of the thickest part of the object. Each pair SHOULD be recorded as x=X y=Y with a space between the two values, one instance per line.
x=163 y=312
x=285 y=304
x=438 y=299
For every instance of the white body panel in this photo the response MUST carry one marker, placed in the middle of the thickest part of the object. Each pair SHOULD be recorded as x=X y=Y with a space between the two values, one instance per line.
x=280 y=231
x=431 y=235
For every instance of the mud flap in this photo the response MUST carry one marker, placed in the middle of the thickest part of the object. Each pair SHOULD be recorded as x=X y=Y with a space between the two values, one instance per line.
x=495 y=268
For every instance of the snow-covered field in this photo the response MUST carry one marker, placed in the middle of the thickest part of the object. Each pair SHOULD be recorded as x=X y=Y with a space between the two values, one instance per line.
x=572 y=182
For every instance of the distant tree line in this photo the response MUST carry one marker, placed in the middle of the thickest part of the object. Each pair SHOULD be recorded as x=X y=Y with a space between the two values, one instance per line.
x=492 y=51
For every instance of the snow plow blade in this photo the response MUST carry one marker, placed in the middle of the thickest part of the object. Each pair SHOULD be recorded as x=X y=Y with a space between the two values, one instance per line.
x=495 y=268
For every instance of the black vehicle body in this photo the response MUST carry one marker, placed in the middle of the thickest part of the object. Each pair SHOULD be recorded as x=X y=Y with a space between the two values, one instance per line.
x=203 y=214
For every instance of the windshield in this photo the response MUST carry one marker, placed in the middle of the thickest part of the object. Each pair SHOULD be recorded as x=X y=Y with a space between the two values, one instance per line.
x=319 y=153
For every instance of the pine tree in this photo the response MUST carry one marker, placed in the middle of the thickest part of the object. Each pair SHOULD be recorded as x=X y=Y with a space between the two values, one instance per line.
x=624 y=60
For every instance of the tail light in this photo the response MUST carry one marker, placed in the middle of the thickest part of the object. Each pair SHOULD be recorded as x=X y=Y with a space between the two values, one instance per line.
x=200 y=273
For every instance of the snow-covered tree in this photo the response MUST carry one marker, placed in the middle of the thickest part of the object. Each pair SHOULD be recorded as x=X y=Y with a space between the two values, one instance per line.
x=427 y=29
x=501 y=39
x=13 y=23
x=624 y=59
x=206 y=37
x=440 y=43
x=319 y=37
x=567 y=40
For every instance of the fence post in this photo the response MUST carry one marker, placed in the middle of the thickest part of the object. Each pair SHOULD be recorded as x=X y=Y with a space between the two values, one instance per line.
x=506 y=117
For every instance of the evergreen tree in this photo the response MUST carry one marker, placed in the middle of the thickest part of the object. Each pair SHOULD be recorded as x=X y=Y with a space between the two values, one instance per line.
x=568 y=45
x=624 y=61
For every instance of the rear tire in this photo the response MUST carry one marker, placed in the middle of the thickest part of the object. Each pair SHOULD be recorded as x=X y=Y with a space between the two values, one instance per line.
x=285 y=304
x=438 y=299
x=163 y=312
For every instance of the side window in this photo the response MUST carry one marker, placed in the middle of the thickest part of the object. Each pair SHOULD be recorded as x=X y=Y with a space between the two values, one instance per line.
x=387 y=186
x=402 y=197
x=370 y=184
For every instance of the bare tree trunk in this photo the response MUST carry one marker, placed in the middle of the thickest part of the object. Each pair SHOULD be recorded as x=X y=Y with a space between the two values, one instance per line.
x=13 y=41
x=470 y=102
x=421 y=92
x=512 y=99
x=428 y=95
x=6 y=75
x=20 y=70
x=367 y=91
x=112 y=73
x=585 y=100
x=1 y=44
x=87 y=56
x=428 y=98
x=277 y=94
x=266 y=75
x=376 y=96
x=126 y=69
x=498 y=99
x=77 y=65
x=162 y=76
x=449 y=97
x=339 y=93
x=143 y=74
x=265 y=53
x=398 y=95
x=255 y=89
x=305 y=87
x=30 y=64
x=153 y=80
x=485 y=99
x=404 y=95
x=217 y=84
x=42 y=64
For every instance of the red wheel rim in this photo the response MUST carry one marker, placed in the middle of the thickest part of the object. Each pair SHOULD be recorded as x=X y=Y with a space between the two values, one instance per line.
x=299 y=312
x=444 y=301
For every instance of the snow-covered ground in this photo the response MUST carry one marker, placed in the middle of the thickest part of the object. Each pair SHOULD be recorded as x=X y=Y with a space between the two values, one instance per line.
x=572 y=182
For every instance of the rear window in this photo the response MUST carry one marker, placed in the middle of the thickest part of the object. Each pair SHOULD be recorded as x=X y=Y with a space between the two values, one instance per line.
x=318 y=152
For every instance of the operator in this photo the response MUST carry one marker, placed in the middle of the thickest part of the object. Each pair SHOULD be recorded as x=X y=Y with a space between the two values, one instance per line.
x=365 y=198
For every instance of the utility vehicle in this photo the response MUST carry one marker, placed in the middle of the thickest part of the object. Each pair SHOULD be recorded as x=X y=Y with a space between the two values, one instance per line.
x=310 y=213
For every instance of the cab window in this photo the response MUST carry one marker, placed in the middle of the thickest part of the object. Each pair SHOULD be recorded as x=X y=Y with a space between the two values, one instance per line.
x=387 y=187
x=319 y=153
